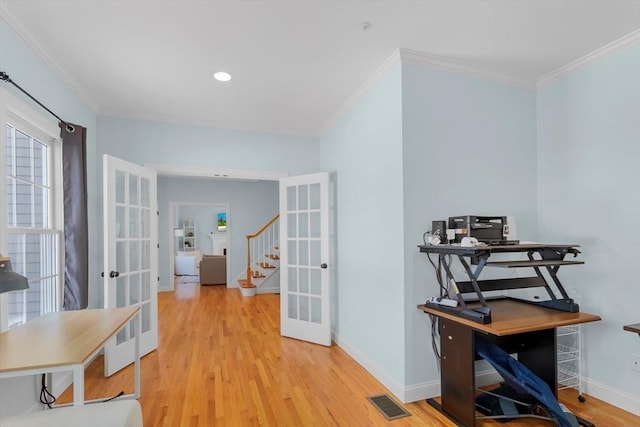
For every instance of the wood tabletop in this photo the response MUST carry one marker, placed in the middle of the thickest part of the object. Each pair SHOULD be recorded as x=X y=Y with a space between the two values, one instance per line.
x=509 y=317
x=60 y=339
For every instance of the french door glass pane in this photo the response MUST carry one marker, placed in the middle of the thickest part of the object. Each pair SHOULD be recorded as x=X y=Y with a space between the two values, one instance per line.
x=121 y=291
x=314 y=224
x=121 y=213
x=293 y=279
x=291 y=198
x=133 y=190
x=316 y=310
x=133 y=222
x=314 y=196
x=292 y=225
x=145 y=286
x=144 y=192
x=304 y=280
x=315 y=255
x=293 y=306
x=134 y=288
x=303 y=228
x=315 y=281
x=121 y=256
x=304 y=307
x=134 y=259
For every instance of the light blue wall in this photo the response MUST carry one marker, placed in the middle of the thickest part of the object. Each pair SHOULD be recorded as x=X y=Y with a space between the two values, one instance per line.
x=251 y=205
x=365 y=149
x=142 y=142
x=427 y=145
x=589 y=193
x=30 y=72
x=469 y=149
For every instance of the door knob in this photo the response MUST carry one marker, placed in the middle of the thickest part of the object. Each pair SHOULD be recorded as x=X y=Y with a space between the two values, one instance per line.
x=323 y=265
x=113 y=274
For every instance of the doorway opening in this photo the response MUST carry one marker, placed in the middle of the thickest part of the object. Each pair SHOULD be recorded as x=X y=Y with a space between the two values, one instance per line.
x=201 y=236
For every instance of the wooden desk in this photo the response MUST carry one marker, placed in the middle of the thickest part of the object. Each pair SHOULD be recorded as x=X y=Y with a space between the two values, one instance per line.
x=64 y=341
x=517 y=327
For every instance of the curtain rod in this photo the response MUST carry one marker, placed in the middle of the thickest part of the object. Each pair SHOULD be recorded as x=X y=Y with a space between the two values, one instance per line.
x=5 y=77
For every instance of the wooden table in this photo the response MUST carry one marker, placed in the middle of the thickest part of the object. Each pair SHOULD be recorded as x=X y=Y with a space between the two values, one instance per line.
x=64 y=341
x=517 y=327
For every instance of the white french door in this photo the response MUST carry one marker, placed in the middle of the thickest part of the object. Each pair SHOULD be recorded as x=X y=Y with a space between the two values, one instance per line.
x=130 y=256
x=305 y=300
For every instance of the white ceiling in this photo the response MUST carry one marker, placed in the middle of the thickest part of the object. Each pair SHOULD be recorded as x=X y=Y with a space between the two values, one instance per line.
x=294 y=63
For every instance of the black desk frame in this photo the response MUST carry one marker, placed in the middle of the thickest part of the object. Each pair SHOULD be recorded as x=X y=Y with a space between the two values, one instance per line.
x=551 y=257
x=536 y=350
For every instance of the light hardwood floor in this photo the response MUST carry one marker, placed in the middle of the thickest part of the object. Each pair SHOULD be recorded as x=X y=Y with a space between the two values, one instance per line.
x=221 y=362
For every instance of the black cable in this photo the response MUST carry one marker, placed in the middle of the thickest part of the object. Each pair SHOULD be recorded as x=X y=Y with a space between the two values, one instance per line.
x=114 y=397
x=435 y=339
x=5 y=77
x=46 y=398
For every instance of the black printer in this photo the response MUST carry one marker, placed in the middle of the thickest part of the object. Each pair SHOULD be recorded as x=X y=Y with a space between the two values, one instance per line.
x=492 y=230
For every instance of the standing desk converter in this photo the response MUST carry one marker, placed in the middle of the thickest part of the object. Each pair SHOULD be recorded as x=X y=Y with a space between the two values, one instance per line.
x=517 y=326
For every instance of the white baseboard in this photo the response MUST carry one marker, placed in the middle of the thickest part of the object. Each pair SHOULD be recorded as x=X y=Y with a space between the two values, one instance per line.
x=612 y=396
x=410 y=393
x=379 y=374
x=426 y=390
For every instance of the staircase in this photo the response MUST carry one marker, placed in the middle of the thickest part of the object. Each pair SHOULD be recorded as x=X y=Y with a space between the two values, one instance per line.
x=262 y=274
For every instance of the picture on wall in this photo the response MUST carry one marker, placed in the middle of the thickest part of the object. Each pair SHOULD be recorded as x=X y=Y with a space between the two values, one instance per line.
x=222 y=221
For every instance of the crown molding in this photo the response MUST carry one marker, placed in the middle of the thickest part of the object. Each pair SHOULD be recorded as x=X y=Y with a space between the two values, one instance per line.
x=382 y=71
x=408 y=56
x=426 y=60
x=39 y=49
x=605 y=51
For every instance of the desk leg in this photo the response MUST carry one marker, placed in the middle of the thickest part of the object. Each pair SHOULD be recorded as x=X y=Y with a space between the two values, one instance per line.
x=539 y=355
x=78 y=385
x=457 y=378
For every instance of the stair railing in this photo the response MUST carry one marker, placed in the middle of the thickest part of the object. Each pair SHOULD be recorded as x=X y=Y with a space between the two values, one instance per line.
x=260 y=243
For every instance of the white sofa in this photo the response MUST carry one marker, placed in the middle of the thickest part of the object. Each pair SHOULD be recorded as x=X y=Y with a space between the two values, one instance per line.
x=188 y=263
x=117 y=413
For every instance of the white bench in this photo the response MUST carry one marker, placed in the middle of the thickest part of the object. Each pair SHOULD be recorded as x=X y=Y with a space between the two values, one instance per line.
x=117 y=413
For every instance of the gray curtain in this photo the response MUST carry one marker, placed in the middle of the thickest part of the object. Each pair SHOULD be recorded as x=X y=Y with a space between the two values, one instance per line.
x=76 y=243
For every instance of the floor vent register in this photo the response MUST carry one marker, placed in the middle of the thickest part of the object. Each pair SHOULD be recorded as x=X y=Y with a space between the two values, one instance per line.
x=390 y=409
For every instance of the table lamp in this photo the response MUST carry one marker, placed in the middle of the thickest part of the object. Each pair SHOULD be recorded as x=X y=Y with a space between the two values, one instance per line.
x=9 y=280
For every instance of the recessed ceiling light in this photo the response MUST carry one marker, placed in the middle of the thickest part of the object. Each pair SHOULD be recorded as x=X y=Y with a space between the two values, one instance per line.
x=221 y=76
